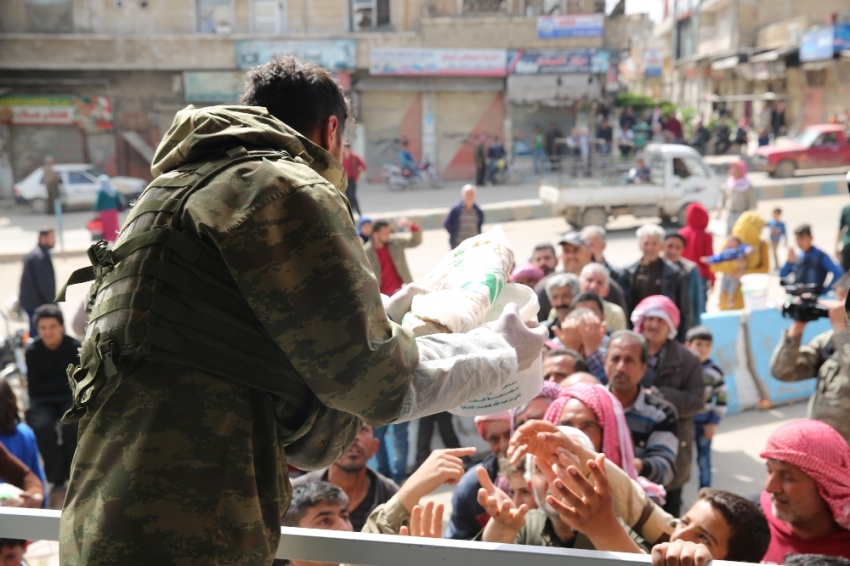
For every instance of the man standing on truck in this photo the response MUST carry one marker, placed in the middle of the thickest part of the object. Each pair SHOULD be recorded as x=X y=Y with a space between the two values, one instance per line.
x=259 y=338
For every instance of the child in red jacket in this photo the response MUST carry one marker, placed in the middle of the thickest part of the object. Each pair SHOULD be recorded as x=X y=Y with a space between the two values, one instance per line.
x=698 y=242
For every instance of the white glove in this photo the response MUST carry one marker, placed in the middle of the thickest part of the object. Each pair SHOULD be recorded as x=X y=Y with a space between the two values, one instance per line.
x=399 y=304
x=528 y=342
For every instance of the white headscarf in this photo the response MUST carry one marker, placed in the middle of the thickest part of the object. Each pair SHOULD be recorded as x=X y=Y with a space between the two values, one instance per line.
x=106 y=185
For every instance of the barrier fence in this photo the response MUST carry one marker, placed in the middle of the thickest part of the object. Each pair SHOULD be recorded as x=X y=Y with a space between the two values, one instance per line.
x=338 y=547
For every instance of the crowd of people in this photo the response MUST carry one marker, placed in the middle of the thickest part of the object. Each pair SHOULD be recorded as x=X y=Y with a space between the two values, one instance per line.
x=632 y=398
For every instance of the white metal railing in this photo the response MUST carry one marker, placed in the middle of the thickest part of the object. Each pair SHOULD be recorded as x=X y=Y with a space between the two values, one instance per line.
x=358 y=548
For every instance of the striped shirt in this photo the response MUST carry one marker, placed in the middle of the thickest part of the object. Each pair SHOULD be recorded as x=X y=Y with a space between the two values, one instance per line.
x=653 y=423
x=715 y=394
x=468 y=225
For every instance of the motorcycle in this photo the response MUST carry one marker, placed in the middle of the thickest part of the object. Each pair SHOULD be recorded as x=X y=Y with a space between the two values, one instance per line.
x=13 y=365
x=400 y=178
x=505 y=173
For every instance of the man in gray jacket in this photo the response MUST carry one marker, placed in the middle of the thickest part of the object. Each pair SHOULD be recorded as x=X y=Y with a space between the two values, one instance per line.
x=385 y=251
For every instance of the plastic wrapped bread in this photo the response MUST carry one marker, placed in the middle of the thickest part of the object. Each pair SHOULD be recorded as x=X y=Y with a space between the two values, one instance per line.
x=465 y=283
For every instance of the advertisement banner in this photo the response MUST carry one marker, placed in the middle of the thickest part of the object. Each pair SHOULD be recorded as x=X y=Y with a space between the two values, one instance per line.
x=332 y=54
x=574 y=25
x=551 y=61
x=817 y=45
x=439 y=62
x=653 y=59
x=93 y=114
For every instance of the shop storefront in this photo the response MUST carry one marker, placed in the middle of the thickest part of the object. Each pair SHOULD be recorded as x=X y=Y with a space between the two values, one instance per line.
x=71 y=129
x=553 y=87
x=437 y=100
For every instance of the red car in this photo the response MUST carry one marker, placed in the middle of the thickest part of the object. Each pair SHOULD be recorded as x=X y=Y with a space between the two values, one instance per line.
x=816 y=147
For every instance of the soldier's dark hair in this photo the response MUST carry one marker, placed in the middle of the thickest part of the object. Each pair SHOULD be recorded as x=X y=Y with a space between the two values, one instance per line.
x=803 y=230
x=307 y=496
x=9 y=416
x=748 y=525
x=299 y=94
x=815 y=560
x=699 y=333
x=379 y=225
x=50 y=310
x=634 y=338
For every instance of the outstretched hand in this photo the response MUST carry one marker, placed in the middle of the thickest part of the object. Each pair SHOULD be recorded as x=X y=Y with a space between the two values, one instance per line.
x=680 y=553
x=399 y=304
x=543 y=440
x=441 y=467
x=499 y=506
x=427 y=522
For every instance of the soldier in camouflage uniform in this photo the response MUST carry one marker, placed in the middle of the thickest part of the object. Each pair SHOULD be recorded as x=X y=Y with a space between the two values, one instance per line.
x=235 y=327
x=826 y=357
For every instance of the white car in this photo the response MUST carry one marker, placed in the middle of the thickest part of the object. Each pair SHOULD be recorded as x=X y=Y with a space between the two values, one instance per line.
x=78 y=188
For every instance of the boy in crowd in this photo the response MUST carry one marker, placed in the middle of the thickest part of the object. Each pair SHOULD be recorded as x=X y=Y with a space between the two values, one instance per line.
x=700 y=341
x=12 y=551
x=813 y=265
x=777 y=234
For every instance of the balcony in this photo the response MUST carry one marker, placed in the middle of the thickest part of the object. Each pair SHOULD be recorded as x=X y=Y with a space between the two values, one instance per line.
x=338 y=547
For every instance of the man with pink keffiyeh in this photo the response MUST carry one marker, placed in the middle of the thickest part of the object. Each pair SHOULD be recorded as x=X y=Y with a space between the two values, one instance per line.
x=806 y=496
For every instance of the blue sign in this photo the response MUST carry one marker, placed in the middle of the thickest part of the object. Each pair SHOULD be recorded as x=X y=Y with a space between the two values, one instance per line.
x=552 y=61
x=653 y=62
x=817 y=45
x=841 y=39
x=572 y=25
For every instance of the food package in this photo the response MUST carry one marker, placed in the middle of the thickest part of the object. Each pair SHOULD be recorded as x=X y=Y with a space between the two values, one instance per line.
x=465 y=283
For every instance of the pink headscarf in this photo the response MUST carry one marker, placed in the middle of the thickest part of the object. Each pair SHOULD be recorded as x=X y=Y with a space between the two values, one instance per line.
x=550 y=390
x=481 y=421
x=658 y=306
x=616 y=438
x=528 y=270
x=822 y=454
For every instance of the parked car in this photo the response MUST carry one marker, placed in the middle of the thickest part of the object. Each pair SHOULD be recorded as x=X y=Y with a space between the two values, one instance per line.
x=816 y=147
x=678 y=176
x=78 y=188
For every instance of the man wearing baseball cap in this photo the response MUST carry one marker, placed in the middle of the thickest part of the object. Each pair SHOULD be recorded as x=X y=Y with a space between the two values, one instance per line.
x=575 y=254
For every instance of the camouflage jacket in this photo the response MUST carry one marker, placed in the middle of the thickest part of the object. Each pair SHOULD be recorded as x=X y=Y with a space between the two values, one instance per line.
x=827 y=358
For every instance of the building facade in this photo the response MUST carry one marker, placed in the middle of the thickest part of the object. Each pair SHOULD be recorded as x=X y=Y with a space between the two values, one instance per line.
x=100 y=80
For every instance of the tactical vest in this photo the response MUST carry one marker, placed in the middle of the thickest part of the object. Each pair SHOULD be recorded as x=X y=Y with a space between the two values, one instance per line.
x=165 y=295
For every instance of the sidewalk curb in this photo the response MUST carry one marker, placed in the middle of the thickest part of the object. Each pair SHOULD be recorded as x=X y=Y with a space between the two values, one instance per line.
x=533 y=209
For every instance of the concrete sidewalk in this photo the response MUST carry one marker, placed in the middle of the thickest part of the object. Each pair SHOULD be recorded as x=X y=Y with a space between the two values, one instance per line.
x=18 y=228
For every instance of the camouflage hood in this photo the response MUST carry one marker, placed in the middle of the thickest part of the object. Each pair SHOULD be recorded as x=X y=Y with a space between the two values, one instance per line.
x=197 y=131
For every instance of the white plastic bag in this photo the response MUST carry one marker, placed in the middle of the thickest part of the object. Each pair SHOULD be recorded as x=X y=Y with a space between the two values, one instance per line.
x=466 y=284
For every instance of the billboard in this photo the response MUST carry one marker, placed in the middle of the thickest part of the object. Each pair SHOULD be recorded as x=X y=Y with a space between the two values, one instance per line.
x=332 y=54
x=92 y=114
x=817 y=44
x=573 y=25
x=439 y=62
x=547 y=61
x=841 y=37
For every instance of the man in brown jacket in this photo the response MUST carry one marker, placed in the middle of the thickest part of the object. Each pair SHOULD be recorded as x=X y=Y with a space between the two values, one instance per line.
x=385 y=251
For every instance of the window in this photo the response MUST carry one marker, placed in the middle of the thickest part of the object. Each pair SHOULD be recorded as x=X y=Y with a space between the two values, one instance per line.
x=79 y=178
x=680 y=169
x=216 y=16
x=695 y=167
x=484 y=6
x=369 y=14
x=543 y=8
x=269 y=17
x=827 y=139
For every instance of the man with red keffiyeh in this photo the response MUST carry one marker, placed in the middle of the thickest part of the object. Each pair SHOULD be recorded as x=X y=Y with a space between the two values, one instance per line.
x=806 y=495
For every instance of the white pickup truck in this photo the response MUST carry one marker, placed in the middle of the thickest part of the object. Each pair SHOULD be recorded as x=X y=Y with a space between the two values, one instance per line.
x=678 y=177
